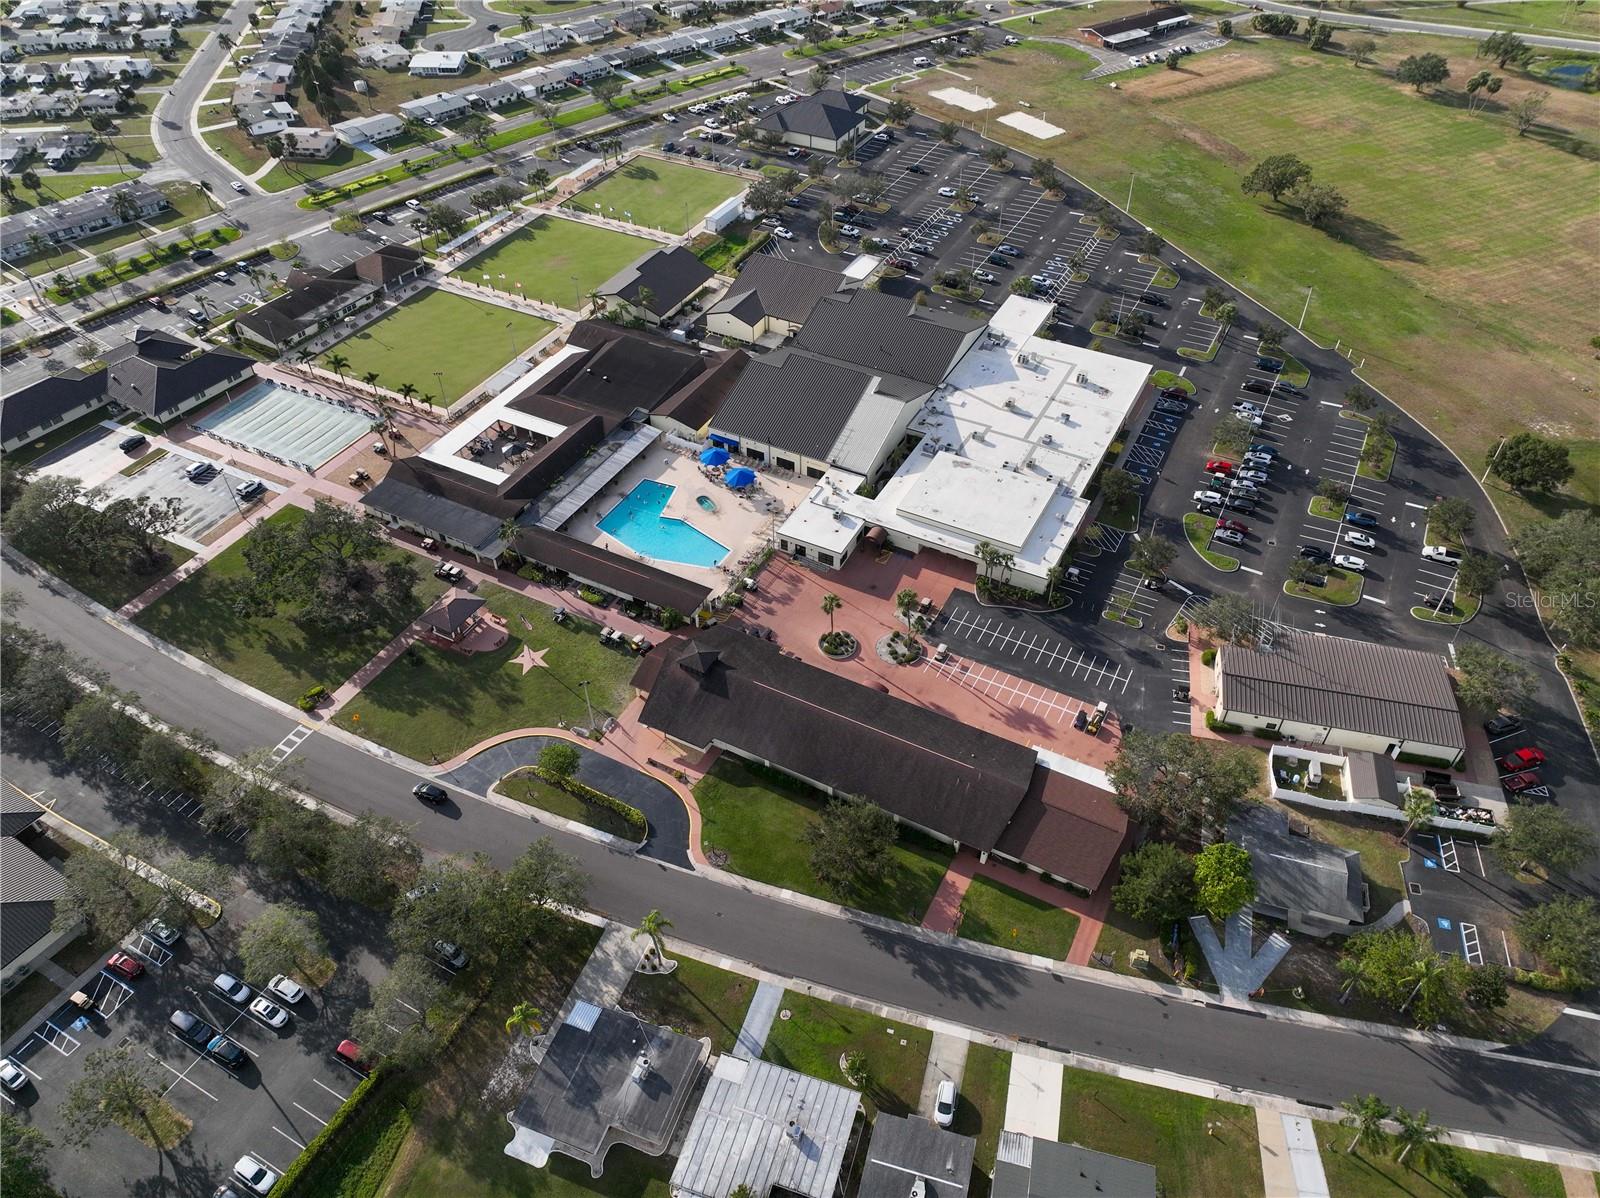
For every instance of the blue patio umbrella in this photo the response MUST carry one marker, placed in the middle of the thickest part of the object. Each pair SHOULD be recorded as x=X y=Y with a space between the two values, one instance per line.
x=740 y=476
x=714 y=456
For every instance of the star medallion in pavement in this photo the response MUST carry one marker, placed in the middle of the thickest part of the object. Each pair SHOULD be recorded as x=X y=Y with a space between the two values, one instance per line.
x=531 y=657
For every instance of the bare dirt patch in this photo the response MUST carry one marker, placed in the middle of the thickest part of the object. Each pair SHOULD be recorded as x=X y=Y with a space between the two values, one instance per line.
x=1199 y=73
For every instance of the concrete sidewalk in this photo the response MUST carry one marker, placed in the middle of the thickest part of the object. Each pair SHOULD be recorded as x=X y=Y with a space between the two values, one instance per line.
x=1291 y=1164
x=758 y=1021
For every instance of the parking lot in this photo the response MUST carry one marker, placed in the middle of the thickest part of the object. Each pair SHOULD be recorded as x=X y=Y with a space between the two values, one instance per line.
x=1467 y=902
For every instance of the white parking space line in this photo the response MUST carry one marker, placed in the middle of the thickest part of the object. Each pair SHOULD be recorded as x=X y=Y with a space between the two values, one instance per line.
x=312 y=1115
x=1470 y=947
x=331 y=1090
x=287 y=1136
x=179 y=1076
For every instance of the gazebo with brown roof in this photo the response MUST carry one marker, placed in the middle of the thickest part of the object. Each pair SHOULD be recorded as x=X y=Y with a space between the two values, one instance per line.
x=455 y=616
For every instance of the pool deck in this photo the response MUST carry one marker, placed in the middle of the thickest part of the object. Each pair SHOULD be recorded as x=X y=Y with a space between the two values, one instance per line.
x=741 y=521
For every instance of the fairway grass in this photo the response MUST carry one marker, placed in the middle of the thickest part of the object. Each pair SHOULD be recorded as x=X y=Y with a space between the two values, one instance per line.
x=659 y=195
x=1450 y=283
x=435 y=703
x=271 y=653
x=557 y=261
x=437 y=333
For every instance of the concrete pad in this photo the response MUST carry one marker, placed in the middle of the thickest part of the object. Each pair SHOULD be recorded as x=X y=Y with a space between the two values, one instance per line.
x=758 y=1021
x=1304 y=1156
x=1033 y=1096
x=947 y=1061
x=1032 y=125
x=960 y=97
x=1277 y=1172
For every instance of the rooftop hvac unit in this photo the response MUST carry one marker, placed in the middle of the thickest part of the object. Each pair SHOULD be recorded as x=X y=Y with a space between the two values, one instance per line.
x=919 y=1189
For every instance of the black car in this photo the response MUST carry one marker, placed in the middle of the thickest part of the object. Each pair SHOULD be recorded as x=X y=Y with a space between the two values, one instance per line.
x=1361 y=519
x=1502 y=725
x=792 y=202
x=915 y=169
x=998 y=260
x=1154 y=300
x=1439 y=604
x=1173 y=393
x=670 y=147
x=1257 y=386
x=130 y=443
x=190 y=1028
x=1240 y=503
x=1272 y=364
x=226 y=1053
x=430 y=793
x=1315 y=553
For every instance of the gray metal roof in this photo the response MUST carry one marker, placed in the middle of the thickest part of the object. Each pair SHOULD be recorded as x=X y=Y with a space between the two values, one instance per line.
x=672 y=275
x=761 y=1125
x=29 y=888
x=781 y=288
x=1026 y=1167
x=831 y=114
x=904 y=1150
x=792 y=401
x=1296 y=874
x=1333 y=682
x=887 y=335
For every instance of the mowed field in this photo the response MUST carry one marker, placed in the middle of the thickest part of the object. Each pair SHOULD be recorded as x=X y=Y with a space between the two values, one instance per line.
x=1535 y=16
x=659 y=195
x=1461 y=274
x=557 y=261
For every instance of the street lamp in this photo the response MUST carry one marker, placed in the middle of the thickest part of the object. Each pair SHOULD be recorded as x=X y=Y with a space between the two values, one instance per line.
x=586 y=703
x=438 y=376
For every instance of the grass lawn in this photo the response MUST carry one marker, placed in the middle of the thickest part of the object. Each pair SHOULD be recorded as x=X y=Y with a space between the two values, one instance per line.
x=1198 y=527
x=272 y=653
x=1165 y=1129
x=996 y=914
x=1466 y=607
x=981 y=1100
x=1371 y=1171
x=695 y=998
x=1165 y=378
x=238 y=150
x=432 y=703
x=529 y=788
x=1321 y=505
x=64 y=187
x=1442 y=202
x=443 y=1138
x=23 y=1001
x=660 y=195
x=1124 y=515
x=1340 y=588
x=112 y=583
x=440 y=333
x=557 y=261
x=1121 y=935
x=163 y=1125
x=291 y=174
x=818 y=1033
x=760 y=822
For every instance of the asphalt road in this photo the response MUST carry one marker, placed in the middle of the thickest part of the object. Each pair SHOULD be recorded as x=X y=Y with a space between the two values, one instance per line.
x=1510 y=1094
x=1400 y=25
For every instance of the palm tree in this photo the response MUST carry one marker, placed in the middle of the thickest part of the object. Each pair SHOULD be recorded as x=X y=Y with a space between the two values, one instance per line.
x=1418 y=807
x=508 y=531
x=370 y=378
x=949 y=131
x=337 y=364
x=406 y=391
x=904 y=602
x=425 y=398
x=1432 y=974
x=652 y=925
x=1366 y=1114
x=524 y=1018
x=643 y=298
x=1415 y=1132
x=830 y=604
x=987 y=556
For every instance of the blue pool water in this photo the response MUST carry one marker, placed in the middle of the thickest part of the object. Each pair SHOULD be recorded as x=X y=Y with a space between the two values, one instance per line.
x=637 y=522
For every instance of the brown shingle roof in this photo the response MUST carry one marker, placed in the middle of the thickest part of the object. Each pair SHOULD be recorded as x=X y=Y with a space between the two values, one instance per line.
x=1067 y=827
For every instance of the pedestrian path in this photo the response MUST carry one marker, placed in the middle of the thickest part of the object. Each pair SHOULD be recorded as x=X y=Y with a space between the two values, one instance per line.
x=1579 y=1182
x=1033 y=1096
x=1291 y=1163
x=947 y=1061
x=758 y=1021
x=608 y=970
x=1239 y=972
x=353 y=685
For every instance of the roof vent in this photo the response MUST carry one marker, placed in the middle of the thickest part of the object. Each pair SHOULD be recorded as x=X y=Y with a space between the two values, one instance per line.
x=641 y=1068
x=796 y=1132
x=919 y=1189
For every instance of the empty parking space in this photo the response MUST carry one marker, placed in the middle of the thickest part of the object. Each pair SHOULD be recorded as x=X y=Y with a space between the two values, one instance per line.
x=1031 y=653
x=1464 y=899
x=1013 y=692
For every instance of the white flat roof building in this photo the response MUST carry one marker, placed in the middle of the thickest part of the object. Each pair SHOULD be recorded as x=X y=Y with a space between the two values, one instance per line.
x=1009 y=444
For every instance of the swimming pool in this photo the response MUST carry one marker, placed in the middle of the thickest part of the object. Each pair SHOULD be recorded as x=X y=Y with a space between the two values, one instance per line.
x=637 y=522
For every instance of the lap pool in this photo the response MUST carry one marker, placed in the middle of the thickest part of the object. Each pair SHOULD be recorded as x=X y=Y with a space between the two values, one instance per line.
x=637 y=522
x=291 y=426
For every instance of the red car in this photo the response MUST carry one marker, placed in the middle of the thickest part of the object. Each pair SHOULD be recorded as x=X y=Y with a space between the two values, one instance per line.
x=1232 y=525
x=1521 y=759
x=1219 y=467
x=349 y=1052
x=124 y=966
x=1517 y=783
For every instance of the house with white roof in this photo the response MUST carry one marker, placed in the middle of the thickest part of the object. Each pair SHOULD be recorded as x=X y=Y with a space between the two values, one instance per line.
x=438 y=62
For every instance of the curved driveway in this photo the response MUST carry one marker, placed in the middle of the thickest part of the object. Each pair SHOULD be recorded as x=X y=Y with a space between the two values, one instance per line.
x=1504 y=1094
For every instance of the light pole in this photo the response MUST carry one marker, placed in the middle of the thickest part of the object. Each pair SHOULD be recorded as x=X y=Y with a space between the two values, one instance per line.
x=1498 y=446
x=438 y=376
x=587 y=704
x=1306 y=309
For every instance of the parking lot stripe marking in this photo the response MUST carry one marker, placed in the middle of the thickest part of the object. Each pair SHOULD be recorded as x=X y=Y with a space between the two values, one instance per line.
x=1374 y=599
x=313 y=1115
x=331 y=1090
x=179 y=1077
x=287 y=1136
x=1578 y=1011
x=1421 y=507
x=1250 y=570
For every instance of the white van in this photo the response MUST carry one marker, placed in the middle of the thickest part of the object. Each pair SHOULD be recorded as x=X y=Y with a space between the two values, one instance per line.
x=1442 y=553
x=922 y=61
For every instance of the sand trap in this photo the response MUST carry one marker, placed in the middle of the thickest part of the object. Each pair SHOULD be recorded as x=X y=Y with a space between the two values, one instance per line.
x=1032 y=125
x=959 y=97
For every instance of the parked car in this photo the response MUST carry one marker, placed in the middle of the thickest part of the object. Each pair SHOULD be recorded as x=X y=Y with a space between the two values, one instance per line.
x=1522 y=759
x=1211 y=497
x=449 y=953
x=998 y=259
x=269 y=1012
x=250 y=489
x=1218 y=466
x=12 y=1075
x=132 y=442
x=1257 y=386
x=1262 y=447
x=1360 y=519
x=1502 y=726
x=1251 y=418
x=1011 y=39
x=849 y=231
x=1360 y=540
x=255 y=1175
x=1517 y=783
x=231 y=988
x=349 y=1052
x=1257 y=459
x=1439 y=603
x=1314 y=553
x=944 y=1103
x=1228 y=537
x=449 y=572
x=1349 y=561
x=783 y=234
x=1171 y=405
x=1173 y=393
x=1273 y=364
x=1154 y=300
x=430 y=792
x=190 y=1028
x=947 y=193
x=1232 y=525
x=163 y=934
x=202 y=255
x=1010 y=251
x=286 y=988
x=984 y=276
x=124 y=965
x=226 y=1053
x=1240 y=503
x=1442 y=554
x=1254 y=475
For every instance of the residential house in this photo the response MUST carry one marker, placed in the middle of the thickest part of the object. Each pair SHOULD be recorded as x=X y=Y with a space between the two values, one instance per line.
x=591 y=30
x=155 y=374
x=30 y=888
x=317 y=297
x=436 y=110
x=438 y=62
x=497 y=56
x=772 y=297
x=308 y=143
x=379 y=127
x=1331 y=690
x=635 y=20
x=67 y=220
x=386 y=56
x=606 y=1078
x=15 y=108
x=908 y=1155
x=1026 y=1166
x=54 y=105
x=102 y=100
x=81 y=72
x=657 y=285
x=586 y=70
x=497 y=94
x=59 y=149
x=1313 y=886
x=543 y=39
x=825 y=120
